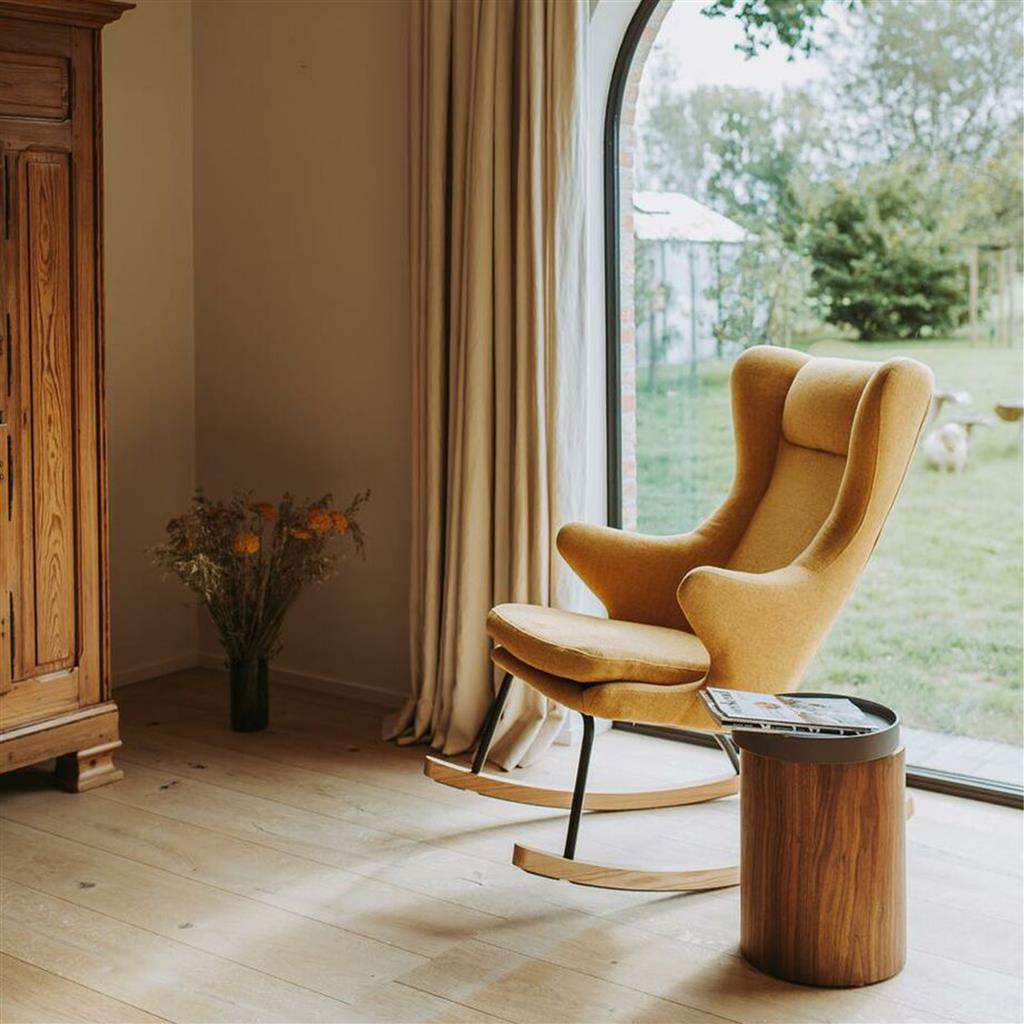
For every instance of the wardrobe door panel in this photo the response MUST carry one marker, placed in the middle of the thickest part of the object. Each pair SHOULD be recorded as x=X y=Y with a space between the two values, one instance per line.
x=46 y=626
x=6 y=549
x=46 y=247
x=33 y=86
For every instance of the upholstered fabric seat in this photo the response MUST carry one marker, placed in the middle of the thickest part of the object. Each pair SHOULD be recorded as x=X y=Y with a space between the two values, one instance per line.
x=624 y=700
x=589 y=649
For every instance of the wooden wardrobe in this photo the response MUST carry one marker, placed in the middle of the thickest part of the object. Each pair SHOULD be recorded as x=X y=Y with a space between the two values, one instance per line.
x=54 y=652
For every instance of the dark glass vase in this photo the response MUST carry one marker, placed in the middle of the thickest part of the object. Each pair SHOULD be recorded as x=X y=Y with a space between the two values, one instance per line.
x=250 y=699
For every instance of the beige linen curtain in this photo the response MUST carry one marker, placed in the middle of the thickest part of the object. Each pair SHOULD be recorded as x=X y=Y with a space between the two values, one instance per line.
x=498 y=336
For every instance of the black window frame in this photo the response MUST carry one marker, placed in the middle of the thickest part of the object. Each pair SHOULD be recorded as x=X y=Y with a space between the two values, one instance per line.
x=952 y=783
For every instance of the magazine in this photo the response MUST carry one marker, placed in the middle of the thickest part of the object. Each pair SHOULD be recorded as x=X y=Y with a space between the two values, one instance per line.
x=745 y=709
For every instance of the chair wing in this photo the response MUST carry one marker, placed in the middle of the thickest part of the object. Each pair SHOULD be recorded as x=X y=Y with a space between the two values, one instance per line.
x=761 y=629
x=633 y=575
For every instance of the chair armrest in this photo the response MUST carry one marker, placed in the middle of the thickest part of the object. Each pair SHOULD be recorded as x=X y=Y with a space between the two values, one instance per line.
x=635 y=576
x=760 y=629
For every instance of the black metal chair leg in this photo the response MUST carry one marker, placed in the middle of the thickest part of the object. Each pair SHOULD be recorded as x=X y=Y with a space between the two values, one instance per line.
x=490 y=724
x=579 y=792
x=728 y=744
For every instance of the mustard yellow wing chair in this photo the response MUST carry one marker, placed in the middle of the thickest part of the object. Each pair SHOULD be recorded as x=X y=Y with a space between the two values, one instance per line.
x=744 y=601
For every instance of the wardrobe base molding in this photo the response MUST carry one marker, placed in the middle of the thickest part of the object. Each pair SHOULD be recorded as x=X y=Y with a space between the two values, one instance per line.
x=87 y=769
x=87 y=737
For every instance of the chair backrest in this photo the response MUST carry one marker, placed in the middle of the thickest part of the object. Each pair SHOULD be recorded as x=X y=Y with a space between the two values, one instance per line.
x=822 y=448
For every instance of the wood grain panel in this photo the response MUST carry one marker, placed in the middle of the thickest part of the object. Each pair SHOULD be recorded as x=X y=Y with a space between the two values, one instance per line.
x=34 y=37
x=47 y=259
x=90 y=454
x=33 y=85
x=823 y=898
x=6 y=657
x=28 y=700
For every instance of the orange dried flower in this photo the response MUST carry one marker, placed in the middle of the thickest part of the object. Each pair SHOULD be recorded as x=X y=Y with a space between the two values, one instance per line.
x=246 y=543
x=340 y=521
x=266 y=511
x=318 y=520
x=300 y=534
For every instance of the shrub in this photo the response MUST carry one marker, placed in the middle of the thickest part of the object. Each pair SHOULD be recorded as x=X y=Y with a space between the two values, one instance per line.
x=882 y=262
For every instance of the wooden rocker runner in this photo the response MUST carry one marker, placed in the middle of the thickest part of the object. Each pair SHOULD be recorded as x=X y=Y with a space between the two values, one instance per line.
x=744 y=601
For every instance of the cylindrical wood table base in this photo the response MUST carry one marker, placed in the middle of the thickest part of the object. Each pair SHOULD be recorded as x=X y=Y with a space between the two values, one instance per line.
x=822 y=869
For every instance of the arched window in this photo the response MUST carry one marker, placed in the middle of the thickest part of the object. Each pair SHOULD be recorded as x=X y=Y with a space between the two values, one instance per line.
x=785 y=185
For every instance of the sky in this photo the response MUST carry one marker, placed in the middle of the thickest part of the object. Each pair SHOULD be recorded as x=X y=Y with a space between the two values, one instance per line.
x=704 y=54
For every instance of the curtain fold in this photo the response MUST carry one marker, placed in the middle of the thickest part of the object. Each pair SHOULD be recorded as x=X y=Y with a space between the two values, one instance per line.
x=498 y=337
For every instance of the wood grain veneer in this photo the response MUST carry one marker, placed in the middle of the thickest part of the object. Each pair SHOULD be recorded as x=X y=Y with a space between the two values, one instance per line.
x=34 y=85
x=822 y=871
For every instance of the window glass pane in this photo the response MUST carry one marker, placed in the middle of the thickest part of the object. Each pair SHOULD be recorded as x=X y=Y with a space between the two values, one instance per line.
x=858 y=195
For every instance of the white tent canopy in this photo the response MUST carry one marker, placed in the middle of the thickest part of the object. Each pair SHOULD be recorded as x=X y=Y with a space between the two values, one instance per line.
x=664 y=216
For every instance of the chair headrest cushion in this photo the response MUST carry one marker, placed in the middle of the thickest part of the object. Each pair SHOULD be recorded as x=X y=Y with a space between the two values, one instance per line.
x=822 y=402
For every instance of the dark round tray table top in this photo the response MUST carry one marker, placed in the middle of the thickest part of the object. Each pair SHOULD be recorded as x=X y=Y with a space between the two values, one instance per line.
x=824 y=748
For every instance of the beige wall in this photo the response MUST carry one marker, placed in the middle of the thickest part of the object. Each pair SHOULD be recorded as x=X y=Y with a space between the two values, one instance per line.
x=150 y=361
x=302 y=309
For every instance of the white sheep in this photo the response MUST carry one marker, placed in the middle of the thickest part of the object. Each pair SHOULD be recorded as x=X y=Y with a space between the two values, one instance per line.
x=947 y=448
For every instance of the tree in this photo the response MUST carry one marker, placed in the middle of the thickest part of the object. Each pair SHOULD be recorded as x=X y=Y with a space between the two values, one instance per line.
x=882 y=262
x=986 y=198
x=765 y=22
x=761 y=294
x=748 y=155
x=741 y=151
x=939 y=80
x=922 y=97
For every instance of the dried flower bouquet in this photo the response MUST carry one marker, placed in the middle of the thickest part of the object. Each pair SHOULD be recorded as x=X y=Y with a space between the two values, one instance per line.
x=248 y=561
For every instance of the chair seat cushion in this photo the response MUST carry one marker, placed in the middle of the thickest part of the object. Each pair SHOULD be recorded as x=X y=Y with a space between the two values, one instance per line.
x=589 y=649
x=654 y=704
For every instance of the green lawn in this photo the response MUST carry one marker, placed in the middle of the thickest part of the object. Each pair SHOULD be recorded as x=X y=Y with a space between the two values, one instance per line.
x=935 y=626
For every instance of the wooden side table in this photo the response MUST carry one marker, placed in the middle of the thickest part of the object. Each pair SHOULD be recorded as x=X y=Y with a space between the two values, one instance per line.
x=822 y=864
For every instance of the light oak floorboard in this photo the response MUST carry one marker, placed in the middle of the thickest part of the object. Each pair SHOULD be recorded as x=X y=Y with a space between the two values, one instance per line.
x=386 y=915
x=319 y=824
x=30 y=995
x=683 y=972
x=176 y=983
x=166 y=978
x=294 y=949
x=446 y=846
x=493 y=979
x=476 y=825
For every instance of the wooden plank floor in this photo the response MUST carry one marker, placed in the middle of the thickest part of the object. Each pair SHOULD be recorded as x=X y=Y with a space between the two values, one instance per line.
x=311 y=873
